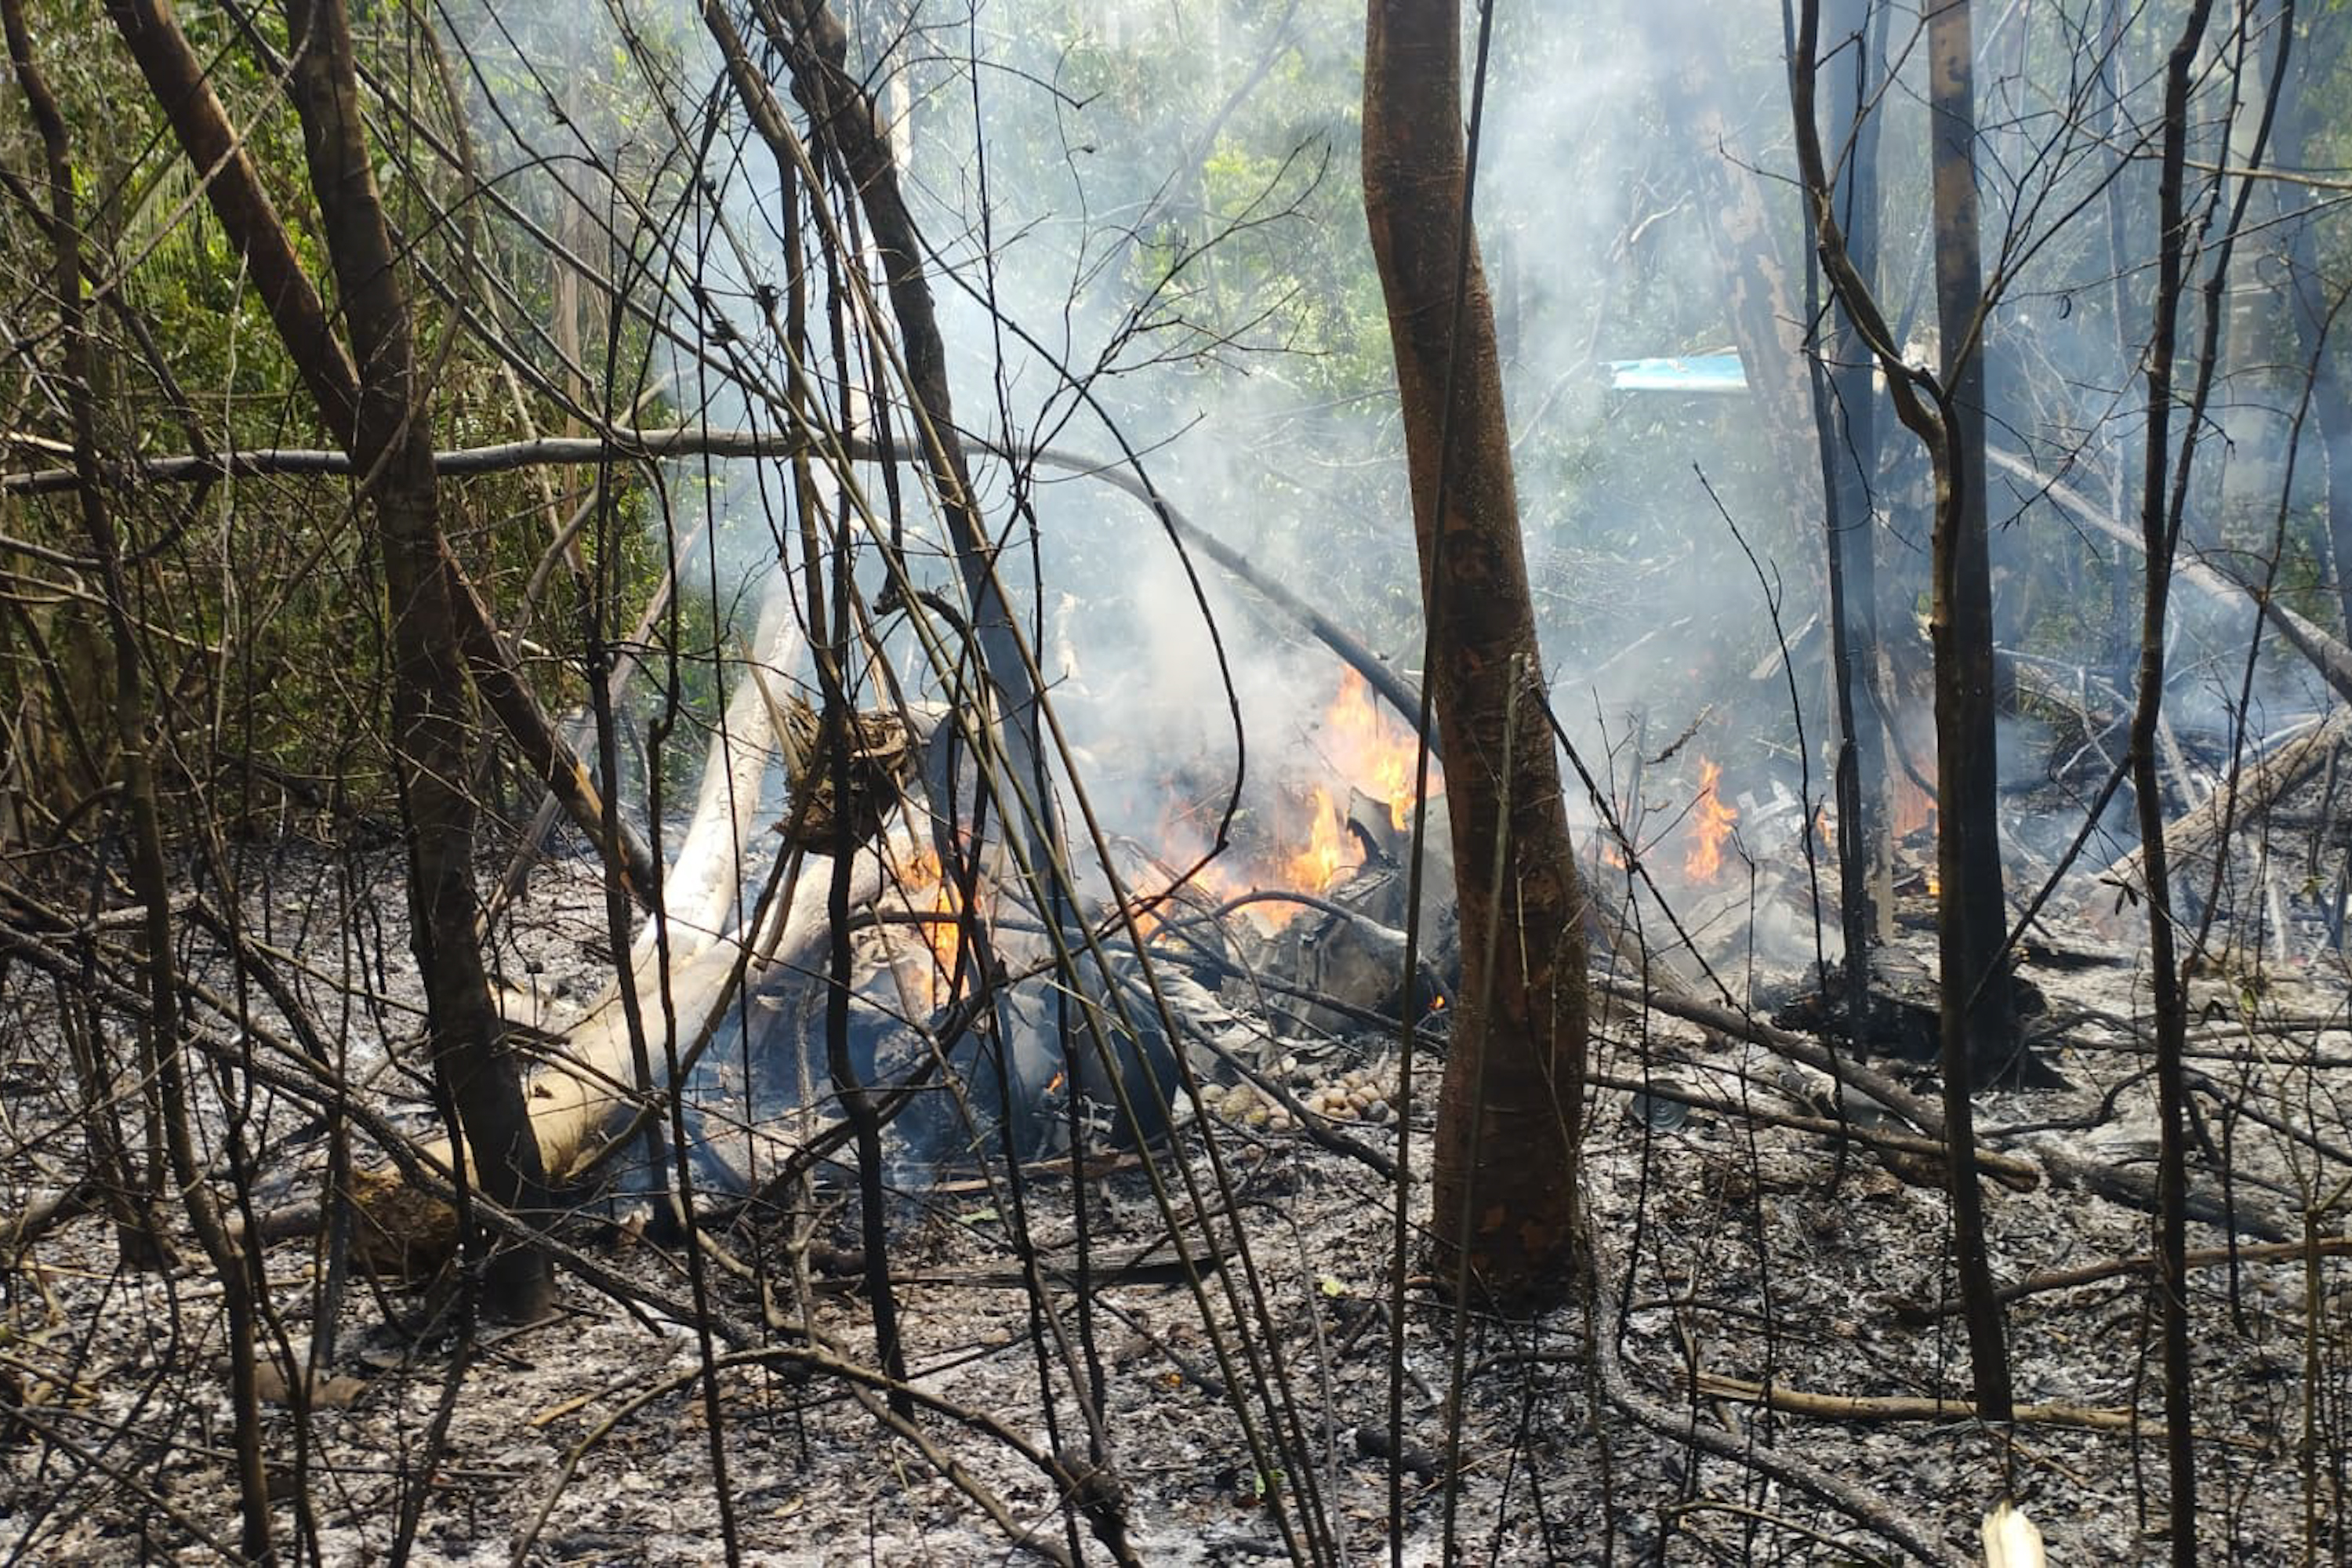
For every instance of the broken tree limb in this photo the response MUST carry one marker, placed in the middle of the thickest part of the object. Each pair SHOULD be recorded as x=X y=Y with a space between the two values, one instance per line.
x=589 y=1084
x=2018 y=1175
x=1682 y=1426
x=2134 y=1188
x=2123 y=1267
x=705 y=875
x=1843 y=1066
x=2249 y=793
x=1914 y=1407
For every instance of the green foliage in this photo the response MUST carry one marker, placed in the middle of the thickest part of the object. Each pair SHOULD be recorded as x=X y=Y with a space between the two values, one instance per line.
x=263 y=623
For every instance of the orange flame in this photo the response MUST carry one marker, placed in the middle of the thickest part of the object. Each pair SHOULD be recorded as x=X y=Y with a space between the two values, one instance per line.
x=1309 y=845
x=927 y=891
x=1373 y=752
x=1314 y=868
x=1710 y=826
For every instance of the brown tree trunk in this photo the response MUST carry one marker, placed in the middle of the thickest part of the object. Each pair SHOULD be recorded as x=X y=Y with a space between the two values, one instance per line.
x=1762 y=304
x=1972 y=918
x=432 y=710
x=809 y=35
x=1846 y=409
x=1929 y=411
x=1509 y=1112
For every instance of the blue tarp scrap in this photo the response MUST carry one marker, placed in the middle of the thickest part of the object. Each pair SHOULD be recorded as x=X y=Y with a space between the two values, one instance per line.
x=1681 y=372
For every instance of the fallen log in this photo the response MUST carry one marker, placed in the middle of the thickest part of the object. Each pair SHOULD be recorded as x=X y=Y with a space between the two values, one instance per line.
x=2143 y=1266
x=1916 y=1407
x=2249 y=794
x=588 y=1085
x=1843 y=1066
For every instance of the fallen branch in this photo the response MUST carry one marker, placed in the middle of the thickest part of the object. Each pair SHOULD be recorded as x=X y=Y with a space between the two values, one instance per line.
x=1745 y=1449
x=2249 y=793
x=2134 y=1188
x=1914 y=1407
x=1843 y=1066
x=2332 y=659
x=2119 y=1268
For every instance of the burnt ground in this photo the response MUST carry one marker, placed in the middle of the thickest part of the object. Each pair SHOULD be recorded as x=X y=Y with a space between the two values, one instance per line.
x=1738 y=1248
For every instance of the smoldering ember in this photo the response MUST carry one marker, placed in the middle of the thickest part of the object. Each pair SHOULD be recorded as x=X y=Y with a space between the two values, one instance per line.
x=799 y=782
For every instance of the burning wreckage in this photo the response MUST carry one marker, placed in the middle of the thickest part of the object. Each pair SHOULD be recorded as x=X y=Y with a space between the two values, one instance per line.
x=976 y=1019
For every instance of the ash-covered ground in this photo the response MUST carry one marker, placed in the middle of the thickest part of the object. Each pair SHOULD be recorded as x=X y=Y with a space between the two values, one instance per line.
x=1244 y=1400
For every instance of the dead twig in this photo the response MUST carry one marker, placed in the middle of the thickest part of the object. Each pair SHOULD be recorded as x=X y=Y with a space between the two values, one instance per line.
x=1915 y=1408
x=1873 y=1513
x=2121 y=1267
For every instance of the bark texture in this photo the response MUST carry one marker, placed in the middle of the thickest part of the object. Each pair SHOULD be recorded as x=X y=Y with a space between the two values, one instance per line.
x=1509 y=1112
x=2162 y=503
x=1970 y=917
x=1850 y=433
x=846 y=129
x=1928 y=411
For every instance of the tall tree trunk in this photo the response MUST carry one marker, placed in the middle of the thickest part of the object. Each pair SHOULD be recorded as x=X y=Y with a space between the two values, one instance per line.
x=2315 y=305
x=1979 y=1024
x=2162 y=502
x=1930 y=411
x=433 y=710
x=1509 y=1112
x=810 y=36
x=1971 y=916
x=1847 y=419
x=1764 y=308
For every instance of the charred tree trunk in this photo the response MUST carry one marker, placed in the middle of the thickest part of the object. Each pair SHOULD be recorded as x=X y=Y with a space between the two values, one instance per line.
x=1970 y=915
x=433 y=710
x=809 y=35
x=2162 y=500
x=1510 y=1109
x=1846 y=418
x=1928 y=409
x=1979 y=1024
